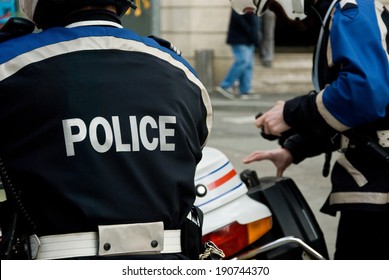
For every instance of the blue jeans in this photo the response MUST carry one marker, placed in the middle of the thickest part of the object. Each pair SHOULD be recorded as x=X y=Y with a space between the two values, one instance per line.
x=242 y=69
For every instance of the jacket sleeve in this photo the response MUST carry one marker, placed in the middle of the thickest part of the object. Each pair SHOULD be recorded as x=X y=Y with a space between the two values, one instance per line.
x=360 y=93
x=309 y=145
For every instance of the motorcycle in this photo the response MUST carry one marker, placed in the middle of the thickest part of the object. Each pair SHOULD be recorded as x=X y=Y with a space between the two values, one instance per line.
x=247 y=217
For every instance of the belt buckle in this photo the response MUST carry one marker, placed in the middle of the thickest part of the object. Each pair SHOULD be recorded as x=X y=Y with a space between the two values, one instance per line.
x=144 y=238
x=383 y=138
x=344 y=143
x=34 y=245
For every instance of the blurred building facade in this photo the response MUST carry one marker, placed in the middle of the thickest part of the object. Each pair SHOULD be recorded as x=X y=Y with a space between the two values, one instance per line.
x=195 y=26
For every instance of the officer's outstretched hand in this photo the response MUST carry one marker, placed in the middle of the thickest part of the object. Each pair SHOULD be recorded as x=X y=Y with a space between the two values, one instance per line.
x=280 y=157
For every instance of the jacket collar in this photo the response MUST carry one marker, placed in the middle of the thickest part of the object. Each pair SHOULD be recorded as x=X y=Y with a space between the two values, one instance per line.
x=93 y=17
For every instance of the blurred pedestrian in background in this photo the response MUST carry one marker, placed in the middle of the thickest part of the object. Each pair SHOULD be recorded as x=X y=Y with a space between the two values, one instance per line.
x=243 y=37
x=267 y=25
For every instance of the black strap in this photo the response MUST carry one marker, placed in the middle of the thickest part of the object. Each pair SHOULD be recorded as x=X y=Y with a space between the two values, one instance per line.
x=191 y=234
x=18 y=225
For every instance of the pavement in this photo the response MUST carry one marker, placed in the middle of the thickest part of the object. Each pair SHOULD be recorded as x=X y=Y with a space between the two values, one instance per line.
x=267 y=100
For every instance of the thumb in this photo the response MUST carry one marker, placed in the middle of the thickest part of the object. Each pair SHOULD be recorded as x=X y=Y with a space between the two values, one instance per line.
x=280 y=172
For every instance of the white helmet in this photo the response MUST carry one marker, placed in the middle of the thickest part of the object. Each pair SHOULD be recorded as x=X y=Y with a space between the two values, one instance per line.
x=45 y=12
x=292 y=8
x=249 y=6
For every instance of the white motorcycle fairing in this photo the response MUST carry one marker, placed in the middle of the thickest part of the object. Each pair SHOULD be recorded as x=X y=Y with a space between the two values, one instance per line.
x=222 y=196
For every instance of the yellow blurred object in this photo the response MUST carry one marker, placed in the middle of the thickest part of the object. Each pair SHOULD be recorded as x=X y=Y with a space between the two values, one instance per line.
x=139 y=3
x=146 y=4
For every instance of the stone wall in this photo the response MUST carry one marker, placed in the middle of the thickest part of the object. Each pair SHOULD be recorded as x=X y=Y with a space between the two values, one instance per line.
x=194 y=25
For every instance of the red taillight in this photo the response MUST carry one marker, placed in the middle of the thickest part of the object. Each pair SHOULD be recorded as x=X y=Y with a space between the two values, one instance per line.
x=235 y=237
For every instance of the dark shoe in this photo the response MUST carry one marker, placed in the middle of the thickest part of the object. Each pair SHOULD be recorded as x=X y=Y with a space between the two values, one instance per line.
x=225 y=92
x=267 y=64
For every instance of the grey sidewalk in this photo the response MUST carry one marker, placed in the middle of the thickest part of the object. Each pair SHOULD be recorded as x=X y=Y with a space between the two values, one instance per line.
x=219 y=102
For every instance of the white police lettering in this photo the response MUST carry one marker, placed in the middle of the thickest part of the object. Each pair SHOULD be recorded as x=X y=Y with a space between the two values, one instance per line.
x=151 y=146
x=104 y=147
x=163 y=120
x=76 y=130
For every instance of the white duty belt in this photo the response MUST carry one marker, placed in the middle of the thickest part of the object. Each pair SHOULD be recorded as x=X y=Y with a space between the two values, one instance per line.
x=111 y=240
x=383 y=140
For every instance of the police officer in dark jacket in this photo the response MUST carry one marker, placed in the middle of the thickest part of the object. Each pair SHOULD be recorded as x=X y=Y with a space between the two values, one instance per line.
x=102 y=130
x=347 y=111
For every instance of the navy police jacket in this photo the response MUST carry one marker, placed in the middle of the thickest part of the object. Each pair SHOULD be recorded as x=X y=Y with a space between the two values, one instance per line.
x=100 y=126
x=351 y=78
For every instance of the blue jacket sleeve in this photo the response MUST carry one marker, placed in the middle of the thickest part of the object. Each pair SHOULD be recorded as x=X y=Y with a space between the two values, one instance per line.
x=359 y=45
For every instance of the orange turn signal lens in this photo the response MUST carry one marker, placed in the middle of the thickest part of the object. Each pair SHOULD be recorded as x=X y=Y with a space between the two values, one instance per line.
x=235 y=237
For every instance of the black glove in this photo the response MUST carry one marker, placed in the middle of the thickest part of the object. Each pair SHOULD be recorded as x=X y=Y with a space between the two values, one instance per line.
x=15 y=27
